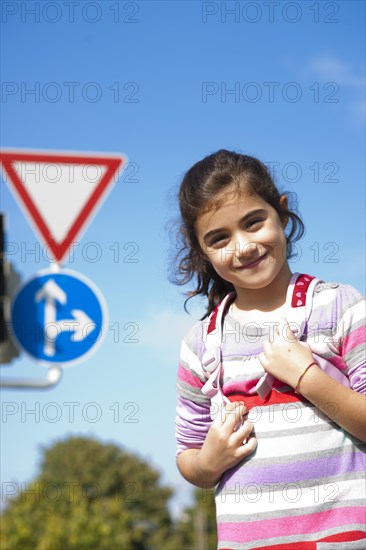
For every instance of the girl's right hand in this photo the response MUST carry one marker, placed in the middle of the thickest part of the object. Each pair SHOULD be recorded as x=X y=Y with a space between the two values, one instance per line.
x=228 y=440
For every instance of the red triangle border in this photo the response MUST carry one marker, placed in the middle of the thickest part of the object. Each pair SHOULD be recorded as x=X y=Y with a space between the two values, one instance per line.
x=59 y=249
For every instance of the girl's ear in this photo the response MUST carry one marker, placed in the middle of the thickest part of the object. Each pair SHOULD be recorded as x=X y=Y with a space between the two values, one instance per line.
x=284 y=205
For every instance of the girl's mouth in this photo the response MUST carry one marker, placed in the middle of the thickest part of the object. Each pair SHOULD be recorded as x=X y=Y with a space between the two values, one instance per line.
x=254 y=263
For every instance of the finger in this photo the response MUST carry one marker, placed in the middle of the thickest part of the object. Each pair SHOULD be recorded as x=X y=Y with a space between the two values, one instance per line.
x=226 y=408
x=243 y=433
x=229 y=408
x=267 y=348
x=247 y=448
x=285 y=331
x=233 y=416
x=264 y=361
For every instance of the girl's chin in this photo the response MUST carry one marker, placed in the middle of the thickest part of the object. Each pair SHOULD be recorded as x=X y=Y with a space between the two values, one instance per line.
x=255 y=278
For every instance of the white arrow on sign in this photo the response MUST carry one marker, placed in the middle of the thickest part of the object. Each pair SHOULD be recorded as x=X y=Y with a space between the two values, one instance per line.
x=80 y=326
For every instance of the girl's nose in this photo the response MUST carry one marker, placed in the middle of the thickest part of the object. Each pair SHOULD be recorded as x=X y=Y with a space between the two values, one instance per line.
x=245 y=248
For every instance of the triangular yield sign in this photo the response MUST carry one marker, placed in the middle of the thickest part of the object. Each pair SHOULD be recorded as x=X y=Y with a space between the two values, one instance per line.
x=60 y=191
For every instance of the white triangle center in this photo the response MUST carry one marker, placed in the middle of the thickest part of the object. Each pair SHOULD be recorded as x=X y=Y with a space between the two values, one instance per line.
x=59 y=191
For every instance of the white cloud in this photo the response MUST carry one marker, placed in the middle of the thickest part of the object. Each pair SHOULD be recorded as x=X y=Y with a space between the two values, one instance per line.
x=349 y=76
x=330 y=68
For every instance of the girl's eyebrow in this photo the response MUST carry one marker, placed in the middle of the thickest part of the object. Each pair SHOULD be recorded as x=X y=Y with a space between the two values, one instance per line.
x=210 y=234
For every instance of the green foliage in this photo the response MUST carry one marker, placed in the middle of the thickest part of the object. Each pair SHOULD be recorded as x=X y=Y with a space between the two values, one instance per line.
x=197 y=526
x=94 y=496
x=89 y=495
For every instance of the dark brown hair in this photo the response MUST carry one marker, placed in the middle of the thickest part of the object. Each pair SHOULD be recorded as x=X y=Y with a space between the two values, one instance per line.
x=204 y=182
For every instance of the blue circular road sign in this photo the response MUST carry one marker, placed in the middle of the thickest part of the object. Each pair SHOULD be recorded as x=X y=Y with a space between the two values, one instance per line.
x=59 y=317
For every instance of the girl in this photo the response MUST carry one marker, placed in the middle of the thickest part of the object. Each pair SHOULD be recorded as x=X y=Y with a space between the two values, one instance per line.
x=271 y=382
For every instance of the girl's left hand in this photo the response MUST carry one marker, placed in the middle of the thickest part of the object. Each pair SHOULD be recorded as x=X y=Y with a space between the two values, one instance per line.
x=285 y=358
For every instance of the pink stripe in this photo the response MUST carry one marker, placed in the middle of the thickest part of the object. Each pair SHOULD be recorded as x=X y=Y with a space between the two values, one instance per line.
x=354 y=339
x=188 y=378
x=293 y=525
x=240 y=386
x=337 y=361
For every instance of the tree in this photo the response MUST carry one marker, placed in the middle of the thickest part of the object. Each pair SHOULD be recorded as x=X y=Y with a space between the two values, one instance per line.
x=90 y=496
x=196 y=527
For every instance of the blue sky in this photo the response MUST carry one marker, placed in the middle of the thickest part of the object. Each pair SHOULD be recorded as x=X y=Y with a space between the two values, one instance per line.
x=166 y=83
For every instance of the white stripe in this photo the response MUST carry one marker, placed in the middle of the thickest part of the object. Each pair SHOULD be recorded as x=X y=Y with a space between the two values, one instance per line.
x=303 y=443
x=286 y=416
x=187 y=355
x=352 y=316
x=243 y=368
x=252 y=498
x=324 y=297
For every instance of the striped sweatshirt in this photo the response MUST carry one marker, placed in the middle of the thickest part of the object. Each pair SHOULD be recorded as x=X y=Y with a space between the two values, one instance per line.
x=304 y=486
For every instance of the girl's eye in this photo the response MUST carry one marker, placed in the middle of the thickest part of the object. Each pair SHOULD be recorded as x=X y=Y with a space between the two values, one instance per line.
x=254 y=222
x=218 y=241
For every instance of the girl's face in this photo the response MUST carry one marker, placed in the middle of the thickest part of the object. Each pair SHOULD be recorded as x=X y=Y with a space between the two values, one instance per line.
x=243 y=238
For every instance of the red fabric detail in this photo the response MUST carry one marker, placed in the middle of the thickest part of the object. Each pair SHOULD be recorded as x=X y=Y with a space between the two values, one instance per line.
x=349 y=536
x=290 y=546
x=298 y=298
x=212 y=324
x=345 y=537
x=274 y=398
x=300 y=290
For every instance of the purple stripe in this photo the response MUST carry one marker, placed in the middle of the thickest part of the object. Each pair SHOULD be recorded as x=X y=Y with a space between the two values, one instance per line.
x=191 y=424
x=295 y=471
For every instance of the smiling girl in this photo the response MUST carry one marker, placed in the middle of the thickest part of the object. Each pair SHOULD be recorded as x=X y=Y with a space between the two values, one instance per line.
x=271 y=406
